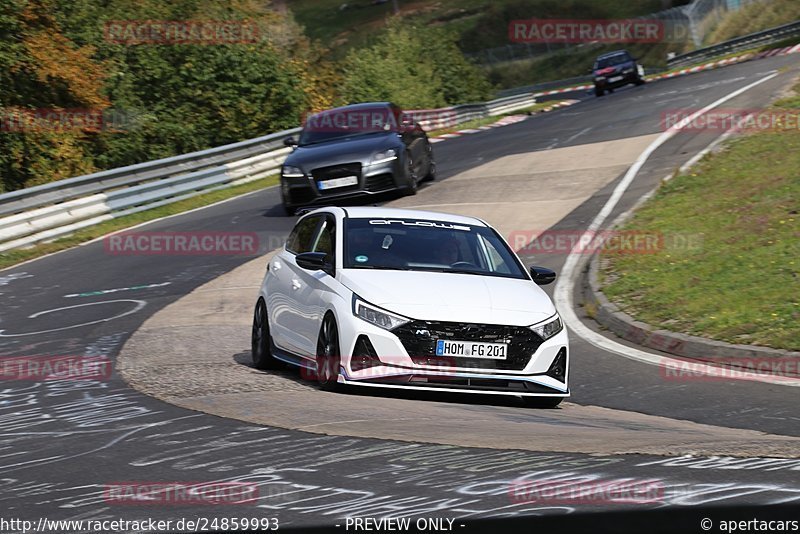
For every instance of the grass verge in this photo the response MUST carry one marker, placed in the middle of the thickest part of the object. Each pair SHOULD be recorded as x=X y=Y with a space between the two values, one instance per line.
x=755 y=17
x=740 y=282
x=13 y=257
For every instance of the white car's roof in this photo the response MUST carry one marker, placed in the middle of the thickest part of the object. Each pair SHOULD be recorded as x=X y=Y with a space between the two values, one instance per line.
x=363 y=212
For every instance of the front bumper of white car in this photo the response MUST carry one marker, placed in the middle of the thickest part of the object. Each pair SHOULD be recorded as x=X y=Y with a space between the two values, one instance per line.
x=405 y=358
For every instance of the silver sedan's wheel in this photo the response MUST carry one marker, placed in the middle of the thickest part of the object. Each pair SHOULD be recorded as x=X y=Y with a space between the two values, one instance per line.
x=431 y=175
x=411 y=189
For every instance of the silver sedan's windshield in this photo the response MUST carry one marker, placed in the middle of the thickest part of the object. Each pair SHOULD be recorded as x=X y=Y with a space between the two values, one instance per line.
x=420 y=245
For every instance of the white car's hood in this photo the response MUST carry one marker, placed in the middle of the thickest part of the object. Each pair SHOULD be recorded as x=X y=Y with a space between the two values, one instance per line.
x=451 y=297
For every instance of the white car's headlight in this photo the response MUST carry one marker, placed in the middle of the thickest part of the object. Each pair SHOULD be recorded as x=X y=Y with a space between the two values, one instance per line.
x=550 y=328
x=383 y=157
x=378 y=317
x=292 y=172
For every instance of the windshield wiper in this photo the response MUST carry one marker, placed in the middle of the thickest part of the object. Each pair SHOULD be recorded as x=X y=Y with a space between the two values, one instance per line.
x=464 y=271
x=381 y=267
x=454 y=271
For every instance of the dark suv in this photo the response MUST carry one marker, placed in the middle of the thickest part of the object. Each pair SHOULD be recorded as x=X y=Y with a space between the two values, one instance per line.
x=615 y=69
x=355 y=150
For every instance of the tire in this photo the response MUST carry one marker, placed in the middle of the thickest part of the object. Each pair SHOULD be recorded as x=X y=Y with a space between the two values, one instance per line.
x=546 y=403
x=328 y=356
x=598 y=92
x=431 y=176
x=260 y=339
x=287 y=209
x=411 y=188
x=639 y=81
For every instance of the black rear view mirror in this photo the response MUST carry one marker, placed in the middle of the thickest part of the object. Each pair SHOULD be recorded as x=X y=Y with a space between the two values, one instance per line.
x=542 y=276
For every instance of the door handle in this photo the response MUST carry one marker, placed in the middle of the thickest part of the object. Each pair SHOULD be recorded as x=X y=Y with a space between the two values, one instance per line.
x=276 y=266
x=296 y=283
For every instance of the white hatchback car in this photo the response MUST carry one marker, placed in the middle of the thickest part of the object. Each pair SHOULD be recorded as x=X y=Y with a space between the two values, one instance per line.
x=410 y=299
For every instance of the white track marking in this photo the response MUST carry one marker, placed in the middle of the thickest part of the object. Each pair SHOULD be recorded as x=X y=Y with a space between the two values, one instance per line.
x=139 y=305
x=575 y=136
x=566 y=282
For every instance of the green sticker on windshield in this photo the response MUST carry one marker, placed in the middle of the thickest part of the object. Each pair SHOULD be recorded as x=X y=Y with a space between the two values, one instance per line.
x=361 y=259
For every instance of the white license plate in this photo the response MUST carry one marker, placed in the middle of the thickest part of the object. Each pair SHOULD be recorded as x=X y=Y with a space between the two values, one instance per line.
x=472 y=349
x=344 y=181
x=615 y=79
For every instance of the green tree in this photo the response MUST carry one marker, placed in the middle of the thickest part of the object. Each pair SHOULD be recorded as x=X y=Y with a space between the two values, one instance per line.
x=41 y=69
x=173 y=98
x=413 y=67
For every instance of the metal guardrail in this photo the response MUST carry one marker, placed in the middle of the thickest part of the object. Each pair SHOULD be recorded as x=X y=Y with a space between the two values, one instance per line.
x=765 y=37
x=169 y=184
x=54 y=192
x=544 y=86
x=53 y=210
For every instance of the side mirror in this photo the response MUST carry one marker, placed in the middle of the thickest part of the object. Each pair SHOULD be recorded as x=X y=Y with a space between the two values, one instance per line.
x=314 y=261
x=290 y=142
x=542 y=276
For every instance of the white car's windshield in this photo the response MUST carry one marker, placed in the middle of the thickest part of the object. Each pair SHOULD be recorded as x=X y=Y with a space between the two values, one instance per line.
x=421 y=245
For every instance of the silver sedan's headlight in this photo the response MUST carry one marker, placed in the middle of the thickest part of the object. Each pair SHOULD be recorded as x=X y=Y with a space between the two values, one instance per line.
x=548 y=329
x=377 y=316
x=384 y=156
x=292 y=172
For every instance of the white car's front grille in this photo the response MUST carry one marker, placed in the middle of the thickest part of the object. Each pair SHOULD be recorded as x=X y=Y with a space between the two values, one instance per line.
x=419 y=339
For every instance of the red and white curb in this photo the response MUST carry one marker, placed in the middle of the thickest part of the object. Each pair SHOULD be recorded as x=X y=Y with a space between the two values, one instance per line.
x=564 y=90
x=511 y=119
x=691 y=70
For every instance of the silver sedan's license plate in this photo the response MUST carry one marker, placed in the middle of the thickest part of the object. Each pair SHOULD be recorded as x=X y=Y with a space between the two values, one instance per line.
x=472 y=349
x=615 y=79
x=344 y=181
